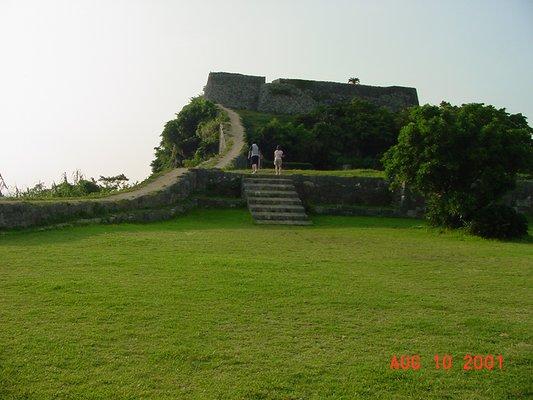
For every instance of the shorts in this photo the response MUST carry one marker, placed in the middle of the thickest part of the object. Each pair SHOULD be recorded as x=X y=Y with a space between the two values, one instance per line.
x=255 y=160
x=277 y=162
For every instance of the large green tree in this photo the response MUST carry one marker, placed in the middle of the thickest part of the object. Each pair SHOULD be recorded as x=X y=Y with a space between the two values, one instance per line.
x=462 y=159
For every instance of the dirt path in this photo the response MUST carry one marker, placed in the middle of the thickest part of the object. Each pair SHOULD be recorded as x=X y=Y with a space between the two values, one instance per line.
x=156 y=185
x=236 y=133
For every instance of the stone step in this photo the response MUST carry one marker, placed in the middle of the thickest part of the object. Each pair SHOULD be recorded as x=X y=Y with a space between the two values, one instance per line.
x=279 y=215
x=289 y=208
x=282 y=222
x=273 y=200
x=272 y=193
x=267 y=181
x=268 y=186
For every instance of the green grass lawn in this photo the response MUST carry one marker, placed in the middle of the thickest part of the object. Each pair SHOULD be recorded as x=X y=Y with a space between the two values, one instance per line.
x=210 y=306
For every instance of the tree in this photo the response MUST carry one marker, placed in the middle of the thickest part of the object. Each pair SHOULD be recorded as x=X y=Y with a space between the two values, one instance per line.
x=462 y=159
x=354 y=81
x=113 y=182
x=189 y=135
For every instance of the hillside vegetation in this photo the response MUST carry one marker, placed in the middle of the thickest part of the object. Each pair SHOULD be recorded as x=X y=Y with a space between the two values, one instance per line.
x=354 y=134
x=190 y=138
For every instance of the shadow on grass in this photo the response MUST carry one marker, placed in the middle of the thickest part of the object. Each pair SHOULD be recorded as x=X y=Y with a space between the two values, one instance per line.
x=215 y=219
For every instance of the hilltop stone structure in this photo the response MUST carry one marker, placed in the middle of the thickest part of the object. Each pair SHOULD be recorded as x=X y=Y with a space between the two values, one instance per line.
x=293 y=96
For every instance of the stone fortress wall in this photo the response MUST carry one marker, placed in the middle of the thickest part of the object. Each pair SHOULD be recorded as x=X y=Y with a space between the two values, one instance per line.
x=234 y=90
x=293 y=96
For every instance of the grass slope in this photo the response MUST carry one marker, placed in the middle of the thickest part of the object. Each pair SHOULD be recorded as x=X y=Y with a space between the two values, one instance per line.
x=211 y=306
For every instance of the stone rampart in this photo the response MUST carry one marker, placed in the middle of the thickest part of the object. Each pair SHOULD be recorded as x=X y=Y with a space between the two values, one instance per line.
x=293 y=96
x=234 y=90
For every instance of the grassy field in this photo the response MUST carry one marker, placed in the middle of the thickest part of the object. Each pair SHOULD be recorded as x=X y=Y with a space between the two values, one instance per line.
x=210 y=306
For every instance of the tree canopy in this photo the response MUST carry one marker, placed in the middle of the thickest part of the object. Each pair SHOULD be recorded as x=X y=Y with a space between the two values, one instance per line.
x=191 y=137
x=462 y=159
x=355 y=133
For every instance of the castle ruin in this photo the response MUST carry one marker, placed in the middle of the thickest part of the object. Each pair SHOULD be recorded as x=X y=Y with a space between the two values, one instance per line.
x=294 y=96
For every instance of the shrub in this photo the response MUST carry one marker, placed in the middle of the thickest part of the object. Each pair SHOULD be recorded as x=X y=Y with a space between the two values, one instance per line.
x=498 y=221
x=461 y=159
x=356 y=133
x=191 y=137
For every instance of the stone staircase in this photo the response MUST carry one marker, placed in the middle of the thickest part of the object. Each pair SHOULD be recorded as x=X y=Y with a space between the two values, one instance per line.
x=274 y=201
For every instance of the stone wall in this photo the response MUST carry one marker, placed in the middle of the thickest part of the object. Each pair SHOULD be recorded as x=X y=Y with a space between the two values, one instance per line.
x=293 y=96
x=215 y=182
x=234 y=90
x=215 y=188
x=320 y=189
x=300 y=96
x=24 y=214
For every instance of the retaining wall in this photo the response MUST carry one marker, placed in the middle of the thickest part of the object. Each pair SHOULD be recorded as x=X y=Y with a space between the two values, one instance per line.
x=217 y=188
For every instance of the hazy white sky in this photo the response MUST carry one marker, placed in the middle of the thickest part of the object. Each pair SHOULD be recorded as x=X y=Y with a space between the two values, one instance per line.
x=88 y=84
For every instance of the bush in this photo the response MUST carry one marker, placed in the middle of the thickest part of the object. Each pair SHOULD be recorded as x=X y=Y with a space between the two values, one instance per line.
x=355 y=133
x=498 y=221
x=461 y=159
x=191 y=137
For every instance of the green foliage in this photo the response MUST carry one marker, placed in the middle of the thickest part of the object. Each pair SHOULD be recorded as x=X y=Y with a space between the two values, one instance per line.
x=191 y=137
x=461 y=159
x=114 y=182
x=79 y=187
x=498 y=221
x=355 y=133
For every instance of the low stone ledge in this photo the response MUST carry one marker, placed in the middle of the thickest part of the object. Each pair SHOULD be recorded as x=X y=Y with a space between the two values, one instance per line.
x=220 y=202
x=335 y=209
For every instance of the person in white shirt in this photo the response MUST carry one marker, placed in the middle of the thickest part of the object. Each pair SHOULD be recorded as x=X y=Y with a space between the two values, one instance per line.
x=253 y=156
x=278 y=155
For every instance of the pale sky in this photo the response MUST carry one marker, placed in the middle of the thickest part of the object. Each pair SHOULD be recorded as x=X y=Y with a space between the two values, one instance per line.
x=89 y=84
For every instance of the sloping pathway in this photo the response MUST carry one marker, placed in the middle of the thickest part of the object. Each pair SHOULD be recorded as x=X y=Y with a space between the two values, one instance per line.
x=236 y=134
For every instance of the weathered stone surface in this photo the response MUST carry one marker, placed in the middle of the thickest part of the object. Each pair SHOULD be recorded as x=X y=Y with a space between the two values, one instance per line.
x=234 y=90
x=293 y=96
x=322 y=189
x=214 y=182
x=24 y=214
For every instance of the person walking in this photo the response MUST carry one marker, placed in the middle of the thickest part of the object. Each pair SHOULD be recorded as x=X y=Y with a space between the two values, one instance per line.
x=253 y=156
x=278 y=155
